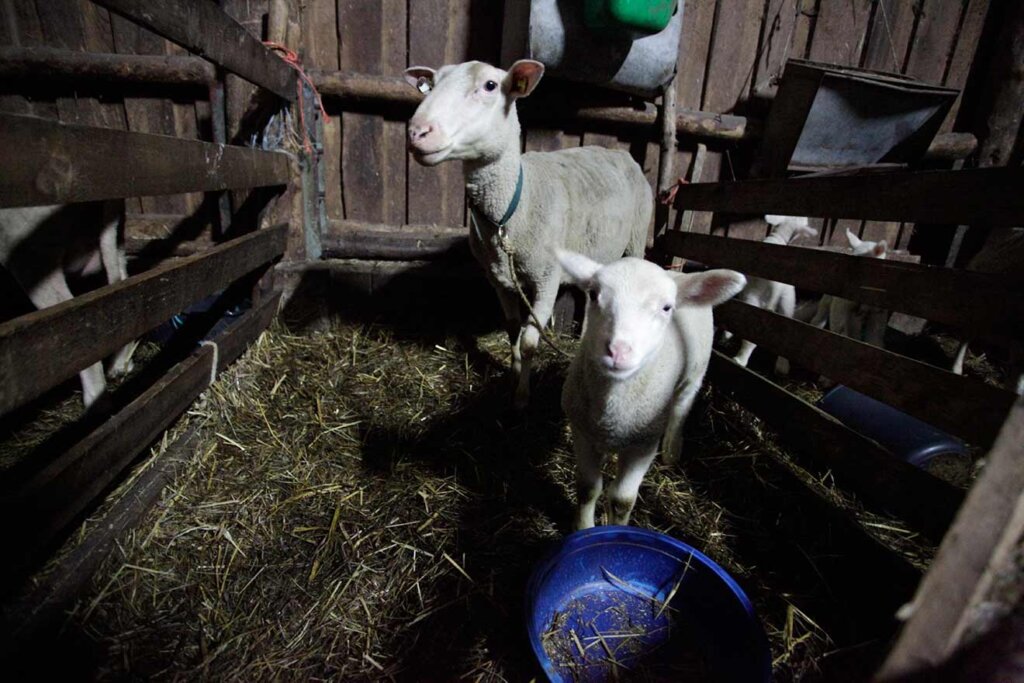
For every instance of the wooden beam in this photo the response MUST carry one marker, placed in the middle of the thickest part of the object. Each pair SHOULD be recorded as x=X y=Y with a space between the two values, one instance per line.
x=67 y=486
x=47 y=162
x=53 y=63
x=964 y=406
x=366 y=89
x=980 y=303
x=875 y=474
x=203 y=28
x=357 y=240
x=41 y=349
x=991 y=516
x=989 y=195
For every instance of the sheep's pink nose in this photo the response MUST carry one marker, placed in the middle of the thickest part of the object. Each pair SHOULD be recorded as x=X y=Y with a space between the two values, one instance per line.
x=619 y=351
x=418 y=131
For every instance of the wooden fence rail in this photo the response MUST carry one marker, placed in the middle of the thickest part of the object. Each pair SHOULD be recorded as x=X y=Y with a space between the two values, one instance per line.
x=37 y=63
x=984 y=195
x=203 y=28
x=41 y=349
x=47 y=162
x=964 y=406
x=49 y=501
x=979 y=303
x=926 y=502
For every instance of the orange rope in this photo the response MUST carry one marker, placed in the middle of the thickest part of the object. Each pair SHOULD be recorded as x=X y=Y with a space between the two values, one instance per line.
x=291 y=58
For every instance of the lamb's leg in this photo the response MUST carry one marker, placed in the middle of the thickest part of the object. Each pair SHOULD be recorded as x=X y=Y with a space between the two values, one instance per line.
x=588 y=479
x=513 y=326
x=622 y=493
x=117 y=271
x=786 y=306
x=820 y=318
x=875 y=323
x=961 y=356
x=672 y=441
x=529 y=338
x=51 y=290
x=743 y=354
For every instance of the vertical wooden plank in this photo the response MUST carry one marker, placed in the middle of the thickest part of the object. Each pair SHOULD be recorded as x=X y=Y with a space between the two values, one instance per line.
x=889 y=39
x=934 y=40
x=778 y=31
x=320 y=51
x=437 y=36
x=147 y=114
x=394 y=154
x=731 y=63
x=963 y=54
x=840 y=32
x=21 y=27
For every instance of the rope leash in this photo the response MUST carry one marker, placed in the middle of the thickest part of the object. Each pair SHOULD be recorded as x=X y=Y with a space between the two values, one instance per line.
x=291 y=58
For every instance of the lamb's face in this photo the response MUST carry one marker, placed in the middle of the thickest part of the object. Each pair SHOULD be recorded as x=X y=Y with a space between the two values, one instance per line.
x=629 y=311
x=469 y=110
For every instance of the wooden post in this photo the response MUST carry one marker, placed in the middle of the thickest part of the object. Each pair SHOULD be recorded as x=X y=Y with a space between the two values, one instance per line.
x=666 y=155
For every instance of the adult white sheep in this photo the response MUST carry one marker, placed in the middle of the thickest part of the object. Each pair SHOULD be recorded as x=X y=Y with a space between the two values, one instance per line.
x=589 y=199
x=777 y=297
x=645 y=348
x=39 y=245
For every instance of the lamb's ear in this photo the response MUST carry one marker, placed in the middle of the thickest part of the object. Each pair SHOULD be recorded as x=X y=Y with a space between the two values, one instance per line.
x=852 y=239
x=806 y=230
x=421 y=78
x=578 y=268
x=523 y=77
x=709 y=288
x=880 y=249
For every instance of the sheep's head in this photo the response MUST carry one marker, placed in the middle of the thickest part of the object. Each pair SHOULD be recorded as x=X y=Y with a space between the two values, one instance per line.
x=631 y=304
x=469 y=109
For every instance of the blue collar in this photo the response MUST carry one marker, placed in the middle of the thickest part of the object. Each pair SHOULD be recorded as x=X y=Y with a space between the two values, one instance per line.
x=514 y=204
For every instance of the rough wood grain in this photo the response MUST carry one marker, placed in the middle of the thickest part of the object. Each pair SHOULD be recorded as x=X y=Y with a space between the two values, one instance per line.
x=972 y=301
x=963 y=55
x=43 y=348
x=125 y=67
x=206 y=30
x=929 y=504
x=52 y=163
x=965 y=553
x=963 y=406
x=359 y=240
x=320 y=31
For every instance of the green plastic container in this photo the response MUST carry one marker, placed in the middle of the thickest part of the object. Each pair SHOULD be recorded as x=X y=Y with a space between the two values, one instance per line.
x=646 y=16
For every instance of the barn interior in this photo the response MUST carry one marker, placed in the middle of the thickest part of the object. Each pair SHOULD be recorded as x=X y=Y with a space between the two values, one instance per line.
x=314 y=469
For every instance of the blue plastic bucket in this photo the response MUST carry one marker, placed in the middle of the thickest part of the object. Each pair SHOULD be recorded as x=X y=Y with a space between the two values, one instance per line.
x=598 y=603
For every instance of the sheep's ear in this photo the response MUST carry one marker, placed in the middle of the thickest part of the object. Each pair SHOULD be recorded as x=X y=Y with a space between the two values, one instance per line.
x=579 y=269
x=523 y=77
x=421 y=78
x=880 y=249
x=806 y=230
x=852 y=239
x=709 y=288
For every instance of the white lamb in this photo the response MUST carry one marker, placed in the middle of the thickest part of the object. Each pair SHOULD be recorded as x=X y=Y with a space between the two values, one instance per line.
x=777 y=297
x=589 y=199
x=645 y=348
x=852 y=319
x=40 y=244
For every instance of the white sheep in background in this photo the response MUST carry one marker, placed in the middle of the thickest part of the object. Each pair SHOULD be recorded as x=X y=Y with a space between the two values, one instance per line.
x=39 y=244
x=592 y=200
x=645 y=348
x=777 y=297
x=850 y=318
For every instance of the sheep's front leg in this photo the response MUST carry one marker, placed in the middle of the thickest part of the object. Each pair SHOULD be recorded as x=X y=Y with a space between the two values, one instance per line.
x=117 y=271
x=513 y=326
x=622 y=493
x=588 y=479
x=672 y=441
x=529 y=337
x=743 y=354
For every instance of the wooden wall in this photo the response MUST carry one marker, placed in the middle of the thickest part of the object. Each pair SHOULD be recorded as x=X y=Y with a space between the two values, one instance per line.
x=732 y=53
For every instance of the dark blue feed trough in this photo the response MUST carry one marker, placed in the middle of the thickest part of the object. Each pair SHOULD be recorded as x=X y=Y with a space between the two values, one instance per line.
x=906 y=437
x=622 y=603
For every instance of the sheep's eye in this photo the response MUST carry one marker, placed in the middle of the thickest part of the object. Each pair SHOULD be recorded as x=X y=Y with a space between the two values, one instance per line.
x=667 y=308
x=489 y=86
x=592 y=294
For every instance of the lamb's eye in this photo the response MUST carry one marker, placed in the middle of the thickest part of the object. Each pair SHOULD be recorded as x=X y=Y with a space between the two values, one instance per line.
x=489 y=86
x=592 y=294
x=667 y=308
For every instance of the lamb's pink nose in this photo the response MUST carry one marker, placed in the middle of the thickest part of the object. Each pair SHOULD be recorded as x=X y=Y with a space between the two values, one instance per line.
x=619 y=351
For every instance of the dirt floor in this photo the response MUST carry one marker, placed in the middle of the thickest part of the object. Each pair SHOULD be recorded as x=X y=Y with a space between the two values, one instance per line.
x=363 y=504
